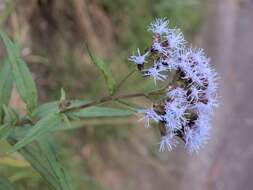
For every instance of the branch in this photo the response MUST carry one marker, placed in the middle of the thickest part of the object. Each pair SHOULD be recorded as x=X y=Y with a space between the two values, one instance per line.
x=111 y=98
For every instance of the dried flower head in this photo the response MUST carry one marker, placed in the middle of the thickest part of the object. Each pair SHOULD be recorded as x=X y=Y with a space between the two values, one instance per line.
x=186 y=108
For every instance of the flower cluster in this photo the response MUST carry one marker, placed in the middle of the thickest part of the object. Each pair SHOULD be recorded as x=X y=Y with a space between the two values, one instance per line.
x=185 y=110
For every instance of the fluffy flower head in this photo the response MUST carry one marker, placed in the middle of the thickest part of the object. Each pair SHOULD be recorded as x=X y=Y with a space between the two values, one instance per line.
x=190 y=93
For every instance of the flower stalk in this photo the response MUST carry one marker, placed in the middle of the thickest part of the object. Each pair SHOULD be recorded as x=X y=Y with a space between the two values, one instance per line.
x=111 y=98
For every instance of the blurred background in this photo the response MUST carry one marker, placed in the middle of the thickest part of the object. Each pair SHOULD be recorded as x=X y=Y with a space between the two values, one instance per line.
x=120 y=154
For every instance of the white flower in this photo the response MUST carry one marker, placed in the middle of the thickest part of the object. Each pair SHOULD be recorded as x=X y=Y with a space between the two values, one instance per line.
x=163 y=65
x=195 y=93
x=175 y=115
x=157 y=46
x=212 y=77
x=155 y=72
x=191 y=141
x=159 y=26
x=150 y=114
x=202 y=108
x=176 y=39
x=178 y=92
x=187 y=108
x=173 y=60
x=168 y=142
x=197 y=137
x=139 y=59
x=196 y=67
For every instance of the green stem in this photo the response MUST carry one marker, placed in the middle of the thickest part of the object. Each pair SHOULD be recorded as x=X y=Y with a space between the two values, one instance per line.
x=124 y=80
x=112 y=98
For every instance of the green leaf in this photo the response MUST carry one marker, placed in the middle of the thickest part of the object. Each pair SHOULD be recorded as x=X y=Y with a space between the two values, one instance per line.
x=21 y=74
x=104 y=68
x=53 y=161
x=5 y=86
x=66 y=121
x=47 y=108
x=37 y=161
x=42 y=127
x=5 y=184
x=5 y=130
x=97 y=111
x=10 y=115
x=43 y=158
x=106 y=71
x=91 y=112
x=53 y=107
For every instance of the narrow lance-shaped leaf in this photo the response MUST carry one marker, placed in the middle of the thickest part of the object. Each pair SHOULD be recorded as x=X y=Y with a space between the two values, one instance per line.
x=5 y=86
x=91 y=112
x=21 y=74
x=10 y=116
x=51 y=156
x=42 y=127
x=106 y=71
x=36 y=157
x=47 y=108
x=5 y=130
x=97 y=111
x=43 y=157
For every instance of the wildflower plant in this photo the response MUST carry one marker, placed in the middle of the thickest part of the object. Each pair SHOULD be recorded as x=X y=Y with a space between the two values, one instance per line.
x=182 y=101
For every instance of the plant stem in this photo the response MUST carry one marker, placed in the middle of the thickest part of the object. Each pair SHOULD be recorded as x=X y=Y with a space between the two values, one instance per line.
x=119 y=97
x=103 y=100
x=109 y=99
x=124 y=80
